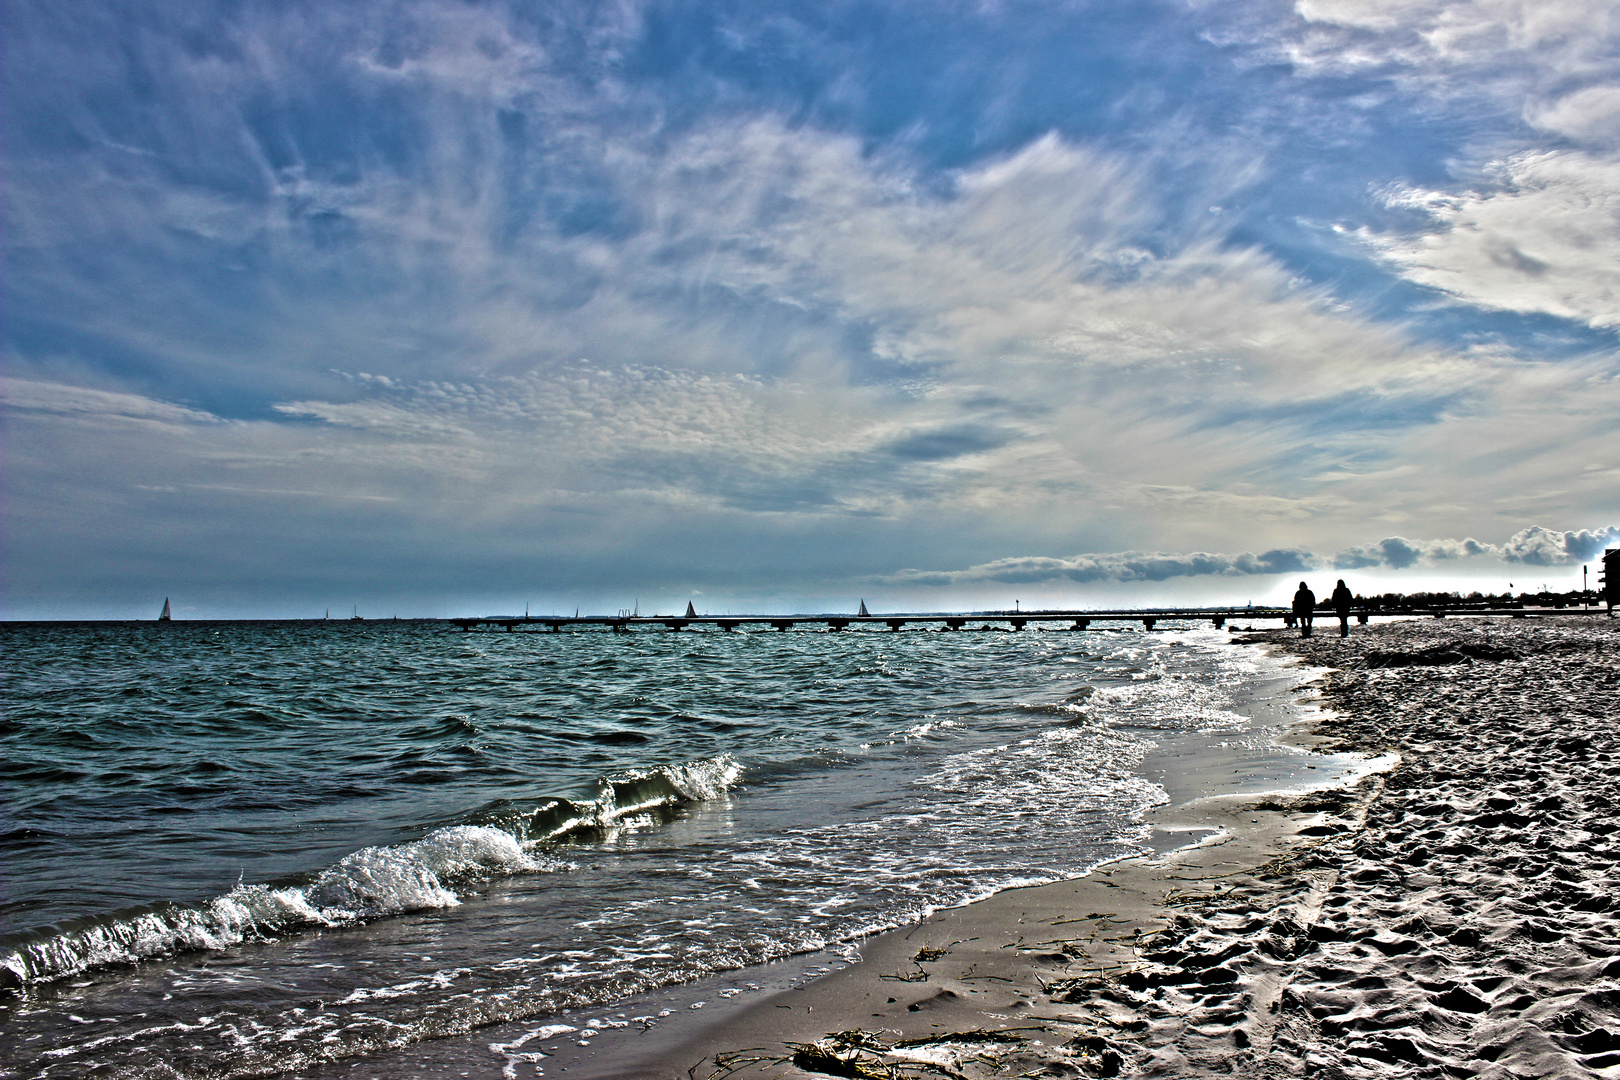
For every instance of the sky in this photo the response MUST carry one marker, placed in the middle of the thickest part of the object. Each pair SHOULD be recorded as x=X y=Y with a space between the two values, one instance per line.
x=449 y=307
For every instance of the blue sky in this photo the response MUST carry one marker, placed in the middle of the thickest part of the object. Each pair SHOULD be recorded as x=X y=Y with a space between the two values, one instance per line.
x=440 y=307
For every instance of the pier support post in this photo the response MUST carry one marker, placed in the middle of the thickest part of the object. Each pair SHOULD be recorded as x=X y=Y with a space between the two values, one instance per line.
x=954 y=624
x=837 y=624
x=1080 y=624
x=1017 y=624
x=1219 y=621
x=782 y=625
x=726 y=625
x=895 y=625
x=1147 y=624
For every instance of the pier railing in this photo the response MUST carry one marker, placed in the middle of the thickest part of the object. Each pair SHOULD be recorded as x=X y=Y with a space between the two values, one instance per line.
x=961 y=621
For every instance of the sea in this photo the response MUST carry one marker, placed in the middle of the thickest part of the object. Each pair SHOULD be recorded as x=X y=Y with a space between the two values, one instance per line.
x=255 y=848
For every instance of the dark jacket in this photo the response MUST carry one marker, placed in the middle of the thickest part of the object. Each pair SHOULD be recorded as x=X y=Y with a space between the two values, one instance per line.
x=1342 y=599
x=1304 y=601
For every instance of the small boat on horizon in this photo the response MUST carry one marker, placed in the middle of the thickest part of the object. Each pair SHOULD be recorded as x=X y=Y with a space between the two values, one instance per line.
x=165 y=616
x=356 y=617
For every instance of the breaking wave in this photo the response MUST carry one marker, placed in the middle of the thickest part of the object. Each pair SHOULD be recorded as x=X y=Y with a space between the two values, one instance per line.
x=374 y=882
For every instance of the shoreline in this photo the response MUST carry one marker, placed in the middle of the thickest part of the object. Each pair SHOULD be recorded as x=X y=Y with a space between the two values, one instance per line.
x=1451 y=917
x=991 y=966
x=646 y=1034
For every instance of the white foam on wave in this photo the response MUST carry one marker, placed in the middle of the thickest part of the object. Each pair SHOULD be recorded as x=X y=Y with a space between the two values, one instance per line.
x=700 y=781
x=696 y=781
x=410 y=877
x=372 y=882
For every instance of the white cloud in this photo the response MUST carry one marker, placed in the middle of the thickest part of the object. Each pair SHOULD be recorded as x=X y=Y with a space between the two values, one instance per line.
x=1589 y=115
x=1535 y=546
x=1530 y=225
x=1118 y=566
x=1399 y=553
x=89 y=404
x=1544 y=238
x=1515 y=42
x=1020 y=359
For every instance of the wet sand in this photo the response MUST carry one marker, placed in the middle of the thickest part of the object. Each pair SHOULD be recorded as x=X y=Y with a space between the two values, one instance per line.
x=1453 y=916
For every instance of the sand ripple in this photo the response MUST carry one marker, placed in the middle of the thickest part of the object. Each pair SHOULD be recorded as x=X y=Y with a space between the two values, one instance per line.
x=1456 y=916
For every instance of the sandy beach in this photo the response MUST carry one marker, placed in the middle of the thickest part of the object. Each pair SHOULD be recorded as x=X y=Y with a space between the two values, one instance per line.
x=1452 y=916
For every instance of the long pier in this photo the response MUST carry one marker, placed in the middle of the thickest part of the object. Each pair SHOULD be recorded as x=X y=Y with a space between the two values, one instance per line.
x=956 y=621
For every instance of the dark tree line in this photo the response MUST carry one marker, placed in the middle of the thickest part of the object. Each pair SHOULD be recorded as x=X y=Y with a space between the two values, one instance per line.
x=1455 y=601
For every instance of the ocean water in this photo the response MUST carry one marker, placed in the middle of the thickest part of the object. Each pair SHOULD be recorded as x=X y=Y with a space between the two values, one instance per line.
x=239 y=849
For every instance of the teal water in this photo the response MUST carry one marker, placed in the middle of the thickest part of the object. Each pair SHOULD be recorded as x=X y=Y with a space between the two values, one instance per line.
x=240 y=848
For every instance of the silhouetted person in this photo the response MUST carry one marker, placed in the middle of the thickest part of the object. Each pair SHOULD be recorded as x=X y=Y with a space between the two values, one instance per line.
x=1304 y=609
x=1341 y=606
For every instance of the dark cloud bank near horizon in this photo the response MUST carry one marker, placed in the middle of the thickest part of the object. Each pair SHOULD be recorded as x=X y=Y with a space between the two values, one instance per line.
x=1533 y=547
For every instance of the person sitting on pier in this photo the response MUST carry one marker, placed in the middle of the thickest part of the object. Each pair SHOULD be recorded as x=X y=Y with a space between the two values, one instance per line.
x=1304 y=609
x=1342 y=599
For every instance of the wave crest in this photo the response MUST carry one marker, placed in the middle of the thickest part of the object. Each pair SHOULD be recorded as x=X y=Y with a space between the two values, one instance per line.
x=370 y=883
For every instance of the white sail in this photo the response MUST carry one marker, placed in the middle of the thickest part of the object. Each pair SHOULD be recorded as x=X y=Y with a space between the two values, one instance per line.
x=863 y=613
x=165 y=617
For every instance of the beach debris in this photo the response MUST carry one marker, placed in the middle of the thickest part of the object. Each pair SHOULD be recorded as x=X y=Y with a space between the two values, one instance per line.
x=1439 y=654
x=1095 y=1055
x=865 y=1055
x=840 y=1055
x=906 y=976
x=728 y=1062
x=976 y=1035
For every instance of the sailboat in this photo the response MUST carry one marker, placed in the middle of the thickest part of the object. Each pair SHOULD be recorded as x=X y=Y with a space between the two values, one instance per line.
x=356 y=616
x=165 y=617
x=691 y=613
x=863 y=613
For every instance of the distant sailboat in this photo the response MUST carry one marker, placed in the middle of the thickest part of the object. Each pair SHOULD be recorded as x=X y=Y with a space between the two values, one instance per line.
x=690 y=612
x=356 y=616
x=863 y=613
x=165 y=617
